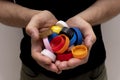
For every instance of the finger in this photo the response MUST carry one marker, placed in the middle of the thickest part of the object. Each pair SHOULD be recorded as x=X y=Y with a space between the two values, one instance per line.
x=32 y=29
x=36 y=49
x=36 y=45
x=57 y=63
x=41 y=59
x=74 y=62
x=63 y=65
x=84 y=26
x=88 y=41
x=51 y=67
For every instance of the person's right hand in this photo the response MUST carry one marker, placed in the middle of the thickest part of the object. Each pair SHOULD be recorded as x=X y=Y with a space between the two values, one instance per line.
x=40 y=22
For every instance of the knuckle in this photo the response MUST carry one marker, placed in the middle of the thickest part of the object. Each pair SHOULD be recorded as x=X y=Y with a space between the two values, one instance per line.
x=28 y=30
x=33 y=56
x=46 y=11
x=94 y=39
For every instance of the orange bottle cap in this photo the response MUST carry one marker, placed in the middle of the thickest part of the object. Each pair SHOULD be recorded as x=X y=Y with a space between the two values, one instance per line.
x=79 y=51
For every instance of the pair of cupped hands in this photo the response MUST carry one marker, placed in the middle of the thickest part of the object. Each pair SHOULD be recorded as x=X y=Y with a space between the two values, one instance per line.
x=44 y=20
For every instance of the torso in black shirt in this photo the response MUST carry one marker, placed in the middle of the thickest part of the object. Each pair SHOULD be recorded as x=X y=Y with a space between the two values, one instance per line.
x=63 y=10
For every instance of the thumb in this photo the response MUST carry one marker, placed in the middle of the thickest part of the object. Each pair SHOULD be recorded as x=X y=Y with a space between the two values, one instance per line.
x=32 y=31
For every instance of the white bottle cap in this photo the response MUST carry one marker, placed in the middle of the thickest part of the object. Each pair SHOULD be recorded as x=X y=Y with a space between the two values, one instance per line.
x=49 y=54
x=62 y=24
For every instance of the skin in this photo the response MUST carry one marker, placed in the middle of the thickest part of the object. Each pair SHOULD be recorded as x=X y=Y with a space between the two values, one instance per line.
x=34 y=21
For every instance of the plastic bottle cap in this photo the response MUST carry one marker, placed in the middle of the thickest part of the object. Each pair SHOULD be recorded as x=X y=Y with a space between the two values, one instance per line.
x=56 y=29
x=79 y=51
x=73 y=40
x=78 y=34
x=57 y=43
x=62 y=24
x=67 y=31
x=65 y=56
x=49 y=54
x=53 y=35
x=66 y=45
x=47 y=44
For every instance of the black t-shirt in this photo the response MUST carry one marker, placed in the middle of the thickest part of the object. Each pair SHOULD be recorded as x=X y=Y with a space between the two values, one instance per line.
x=63 y=10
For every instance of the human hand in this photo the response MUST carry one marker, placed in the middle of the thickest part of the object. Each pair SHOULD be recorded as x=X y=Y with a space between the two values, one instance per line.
x=89 y=40
x=38 y=23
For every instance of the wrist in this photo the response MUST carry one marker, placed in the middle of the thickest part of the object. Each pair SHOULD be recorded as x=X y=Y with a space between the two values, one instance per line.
x=26 y=17
x=86 y=18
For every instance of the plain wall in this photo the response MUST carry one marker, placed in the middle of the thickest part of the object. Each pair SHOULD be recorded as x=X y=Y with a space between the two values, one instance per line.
x=10 y=38
x=111 y=37
x=10 y=63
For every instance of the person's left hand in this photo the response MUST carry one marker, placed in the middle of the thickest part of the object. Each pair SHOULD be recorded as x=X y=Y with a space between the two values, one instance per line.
x=89 y=40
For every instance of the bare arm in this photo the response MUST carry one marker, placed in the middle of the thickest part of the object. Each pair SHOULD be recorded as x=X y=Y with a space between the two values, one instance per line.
x=33 y=21
x=15 y=15
x=101 y=11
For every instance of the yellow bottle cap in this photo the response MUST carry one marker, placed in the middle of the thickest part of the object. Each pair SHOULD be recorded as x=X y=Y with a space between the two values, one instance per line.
x=79 y=51
x=56 y=29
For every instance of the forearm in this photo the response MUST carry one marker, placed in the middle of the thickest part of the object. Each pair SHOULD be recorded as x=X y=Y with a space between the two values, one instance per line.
x=15 y=15
x=101 y=11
